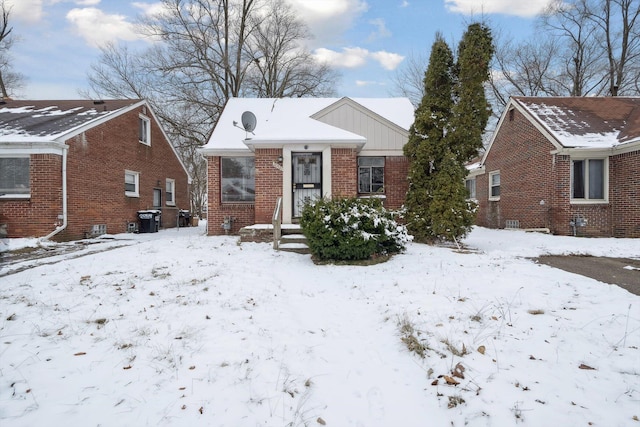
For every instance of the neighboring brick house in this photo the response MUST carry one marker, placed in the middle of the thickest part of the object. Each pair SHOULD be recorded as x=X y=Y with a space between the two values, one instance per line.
x=567 y=164
x=70 y=169
x=304 y=148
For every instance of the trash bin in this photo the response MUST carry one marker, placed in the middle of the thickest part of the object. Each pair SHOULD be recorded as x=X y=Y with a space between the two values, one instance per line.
x=149 y=221
x=184 y=218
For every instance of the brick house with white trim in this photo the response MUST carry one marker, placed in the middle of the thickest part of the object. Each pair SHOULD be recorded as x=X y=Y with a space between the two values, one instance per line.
x=71 y=169
x=567 y=164
x=304 y=148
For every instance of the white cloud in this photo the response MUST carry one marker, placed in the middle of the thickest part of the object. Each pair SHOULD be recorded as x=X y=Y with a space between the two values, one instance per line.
x=29 y=11
x=97 y=27
x=363 y=83
x=350 y=57
x=381 y=29
x=388 y=60
x=328 y=20
x=405 y=3
x=508 y=7
x=87 y=2
x=354 y=57
x=150 y=9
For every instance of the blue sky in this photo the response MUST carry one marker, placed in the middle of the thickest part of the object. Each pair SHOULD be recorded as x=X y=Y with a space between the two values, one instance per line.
x=367 y=40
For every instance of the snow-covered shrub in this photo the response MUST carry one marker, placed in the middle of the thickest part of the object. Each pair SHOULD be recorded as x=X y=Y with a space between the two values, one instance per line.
x=351 y=229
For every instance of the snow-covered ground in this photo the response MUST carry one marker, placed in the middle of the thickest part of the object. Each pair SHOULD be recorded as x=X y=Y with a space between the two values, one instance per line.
x=179 y=329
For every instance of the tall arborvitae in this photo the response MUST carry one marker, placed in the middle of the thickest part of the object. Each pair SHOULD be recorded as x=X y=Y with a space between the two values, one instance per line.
x=437 y=205
x=426 y=147
x=471 y=111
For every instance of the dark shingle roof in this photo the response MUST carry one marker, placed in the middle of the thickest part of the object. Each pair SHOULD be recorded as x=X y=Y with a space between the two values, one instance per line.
x=594 y=122
x=47 y=120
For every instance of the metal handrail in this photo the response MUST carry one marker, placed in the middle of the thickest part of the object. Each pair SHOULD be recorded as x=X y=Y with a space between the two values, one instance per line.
x=277 y=222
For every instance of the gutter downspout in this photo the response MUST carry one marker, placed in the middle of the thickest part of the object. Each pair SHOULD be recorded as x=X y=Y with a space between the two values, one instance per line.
x=64 y=197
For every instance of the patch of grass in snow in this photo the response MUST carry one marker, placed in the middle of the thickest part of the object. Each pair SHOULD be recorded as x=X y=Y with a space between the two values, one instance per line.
x=453 y=349
x=536 y=311
x=409 y=336
x=160 y=272
x=455 y=401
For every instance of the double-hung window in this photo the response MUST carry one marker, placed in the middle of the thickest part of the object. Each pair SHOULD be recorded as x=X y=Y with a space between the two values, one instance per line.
x=588 y=179
x=470 y=183
x=131 y=184
x=494 y=185
x=144 y=130
x=238 y=182
x=14 y=177
x=171 y=192
x=370 y=175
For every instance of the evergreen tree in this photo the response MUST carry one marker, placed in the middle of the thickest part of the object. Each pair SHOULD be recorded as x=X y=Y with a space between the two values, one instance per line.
x=446 y=133
x=426 y=147
x=471 y=110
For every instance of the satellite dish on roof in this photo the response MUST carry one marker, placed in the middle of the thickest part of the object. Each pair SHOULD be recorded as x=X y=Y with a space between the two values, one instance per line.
x=249 y=121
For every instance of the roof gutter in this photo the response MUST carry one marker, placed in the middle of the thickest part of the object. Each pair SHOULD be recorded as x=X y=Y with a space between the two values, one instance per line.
x=64 y=197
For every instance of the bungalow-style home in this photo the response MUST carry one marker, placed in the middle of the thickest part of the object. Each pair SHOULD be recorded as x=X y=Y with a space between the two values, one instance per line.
x=300 y=149
x=72 y=169
x=570 y=165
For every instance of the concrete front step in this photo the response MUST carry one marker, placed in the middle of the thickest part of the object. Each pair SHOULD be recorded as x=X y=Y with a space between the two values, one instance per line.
x=293 y=238
x=300 y=248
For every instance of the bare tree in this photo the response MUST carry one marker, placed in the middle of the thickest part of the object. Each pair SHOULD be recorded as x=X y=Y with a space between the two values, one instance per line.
x=581 y=60
x=283 y=66
x=602 y=44
x=619 y=21
x=408 y=80
x=10 y=81
x=205 y=52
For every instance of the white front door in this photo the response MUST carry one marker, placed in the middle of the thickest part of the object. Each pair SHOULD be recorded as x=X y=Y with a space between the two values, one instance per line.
x=307 y=179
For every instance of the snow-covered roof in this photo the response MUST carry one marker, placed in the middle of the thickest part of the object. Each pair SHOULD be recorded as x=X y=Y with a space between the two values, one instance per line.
x=290 y=120
x=46 y=121
x=586 y=122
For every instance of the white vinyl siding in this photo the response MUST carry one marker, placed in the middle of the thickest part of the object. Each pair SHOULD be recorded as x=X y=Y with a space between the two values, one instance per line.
x=381 y=136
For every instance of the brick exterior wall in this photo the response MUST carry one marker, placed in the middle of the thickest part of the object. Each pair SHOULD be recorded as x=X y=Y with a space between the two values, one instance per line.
x=396 y=183
x=240 y=214
x=520 y=153
x=96 y=162
x=344 y=175
x=344 y=172
x=37 y=216
x=268 y=183
x=530 y=175
x=624 y=194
